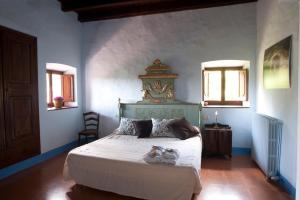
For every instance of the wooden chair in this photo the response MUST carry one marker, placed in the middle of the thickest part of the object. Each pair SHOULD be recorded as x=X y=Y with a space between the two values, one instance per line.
x=91 y=123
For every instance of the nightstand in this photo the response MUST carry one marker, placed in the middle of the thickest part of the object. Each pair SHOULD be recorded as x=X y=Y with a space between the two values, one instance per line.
x=217 y=139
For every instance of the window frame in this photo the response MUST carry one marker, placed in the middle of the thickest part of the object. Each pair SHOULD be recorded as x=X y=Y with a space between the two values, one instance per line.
x=51 y=72
x=223 y=102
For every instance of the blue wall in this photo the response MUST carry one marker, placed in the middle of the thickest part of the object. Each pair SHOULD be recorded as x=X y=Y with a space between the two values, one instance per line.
x=117 y=51
x=59 y=41
x=275 y=21
x=238 y=118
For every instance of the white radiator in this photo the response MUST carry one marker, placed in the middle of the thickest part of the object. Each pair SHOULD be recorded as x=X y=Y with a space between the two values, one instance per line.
x=266 y=140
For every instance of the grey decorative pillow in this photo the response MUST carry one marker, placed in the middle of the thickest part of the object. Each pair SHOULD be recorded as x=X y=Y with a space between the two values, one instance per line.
x=160 y=128
x=126 y=127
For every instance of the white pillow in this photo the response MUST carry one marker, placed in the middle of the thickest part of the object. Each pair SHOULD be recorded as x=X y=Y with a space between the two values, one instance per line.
x=126 y=127
x=160 y=128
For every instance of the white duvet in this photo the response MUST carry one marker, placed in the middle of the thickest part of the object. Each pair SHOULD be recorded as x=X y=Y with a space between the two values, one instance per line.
x=115 y=163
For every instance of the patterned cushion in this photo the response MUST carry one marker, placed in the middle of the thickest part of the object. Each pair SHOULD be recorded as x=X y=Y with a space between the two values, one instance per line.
x=160 y=128
x=126 y=127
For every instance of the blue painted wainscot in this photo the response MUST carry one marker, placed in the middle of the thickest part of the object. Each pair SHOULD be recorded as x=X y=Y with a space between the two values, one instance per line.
x=239 y=151
x=15 y=168
x=287 y=186
x=25 y=164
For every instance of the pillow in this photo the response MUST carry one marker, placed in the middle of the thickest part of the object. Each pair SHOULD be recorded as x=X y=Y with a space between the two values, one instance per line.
x=182 y=129
x=126 y=127
x=143 y=128
x=160 y=128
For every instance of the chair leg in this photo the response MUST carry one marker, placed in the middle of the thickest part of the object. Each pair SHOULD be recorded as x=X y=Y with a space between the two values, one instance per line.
x=78 y=139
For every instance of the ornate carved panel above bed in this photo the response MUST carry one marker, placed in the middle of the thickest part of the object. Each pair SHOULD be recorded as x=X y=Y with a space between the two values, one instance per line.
x=158 y=84
x=159 y=98
x=190 y=111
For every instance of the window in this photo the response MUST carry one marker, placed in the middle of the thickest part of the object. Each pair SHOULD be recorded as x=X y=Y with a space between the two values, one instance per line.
x=59 y=84
x=225 y=85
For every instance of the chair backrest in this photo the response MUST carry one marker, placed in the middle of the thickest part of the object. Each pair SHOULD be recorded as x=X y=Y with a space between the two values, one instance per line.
x=91 y=120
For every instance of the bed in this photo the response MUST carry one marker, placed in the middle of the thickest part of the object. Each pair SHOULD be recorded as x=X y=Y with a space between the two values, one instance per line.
x=115 y=163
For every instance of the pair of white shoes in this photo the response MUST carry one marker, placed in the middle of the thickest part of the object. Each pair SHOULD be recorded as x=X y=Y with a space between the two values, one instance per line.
x=160 y=155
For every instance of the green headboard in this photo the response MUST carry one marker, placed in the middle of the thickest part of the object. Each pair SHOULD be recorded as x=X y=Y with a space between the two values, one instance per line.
x=190 y=111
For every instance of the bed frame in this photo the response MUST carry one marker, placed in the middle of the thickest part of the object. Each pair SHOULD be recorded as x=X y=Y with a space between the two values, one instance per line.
x=146 y=181
x=191 y=111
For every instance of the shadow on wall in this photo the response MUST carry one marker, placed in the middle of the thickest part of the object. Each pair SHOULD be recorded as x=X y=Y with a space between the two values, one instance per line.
x=117 y=51
x=99 y=72
x=183 y=70
x=106 y=123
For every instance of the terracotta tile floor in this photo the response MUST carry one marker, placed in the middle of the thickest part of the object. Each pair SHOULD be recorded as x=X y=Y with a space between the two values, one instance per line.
x=235 y=179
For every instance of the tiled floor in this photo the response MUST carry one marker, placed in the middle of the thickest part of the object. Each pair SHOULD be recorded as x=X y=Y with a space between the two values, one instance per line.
x=235 y=179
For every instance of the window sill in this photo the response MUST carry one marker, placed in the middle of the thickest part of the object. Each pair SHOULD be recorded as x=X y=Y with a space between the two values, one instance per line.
x=225 y=106
x=62 y=108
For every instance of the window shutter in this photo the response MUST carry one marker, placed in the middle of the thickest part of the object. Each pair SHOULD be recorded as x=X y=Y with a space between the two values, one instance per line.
x=243 y=76
x=68 y=87
x=205 y=84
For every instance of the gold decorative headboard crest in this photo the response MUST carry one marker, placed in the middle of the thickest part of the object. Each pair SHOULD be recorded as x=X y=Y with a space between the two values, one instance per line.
x=158 y=84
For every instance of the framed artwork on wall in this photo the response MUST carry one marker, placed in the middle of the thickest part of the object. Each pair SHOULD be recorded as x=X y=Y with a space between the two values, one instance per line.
x=276 y=67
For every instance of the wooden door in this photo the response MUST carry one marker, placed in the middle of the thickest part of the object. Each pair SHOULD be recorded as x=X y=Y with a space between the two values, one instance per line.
x=20 y=97
x=2 y=129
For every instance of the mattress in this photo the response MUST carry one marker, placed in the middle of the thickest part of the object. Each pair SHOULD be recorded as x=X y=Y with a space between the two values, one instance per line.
x=115 y=163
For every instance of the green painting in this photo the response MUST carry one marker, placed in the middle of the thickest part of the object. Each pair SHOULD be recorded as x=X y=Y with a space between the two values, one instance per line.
x=277 y=65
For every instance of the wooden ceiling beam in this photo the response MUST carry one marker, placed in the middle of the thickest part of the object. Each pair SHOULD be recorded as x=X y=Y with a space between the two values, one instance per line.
x=81 y=5
x=92 y=10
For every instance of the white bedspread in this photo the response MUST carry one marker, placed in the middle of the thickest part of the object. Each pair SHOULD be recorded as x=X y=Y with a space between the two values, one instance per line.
x=115 y=163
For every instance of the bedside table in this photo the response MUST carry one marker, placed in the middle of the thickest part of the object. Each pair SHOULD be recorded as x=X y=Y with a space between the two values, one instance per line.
x=217 y=139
